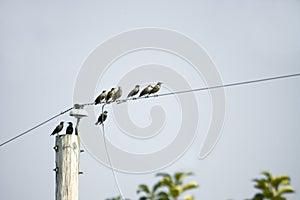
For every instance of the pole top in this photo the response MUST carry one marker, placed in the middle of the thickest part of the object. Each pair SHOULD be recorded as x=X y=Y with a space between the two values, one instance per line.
x=78 y=111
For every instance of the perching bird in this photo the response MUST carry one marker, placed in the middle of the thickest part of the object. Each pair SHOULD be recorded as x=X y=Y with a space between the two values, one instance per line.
x=146 y=90
x=155 y=88
x=118 y=94
x=133 y=92
x=100 y=97
x=101 y=118
x=58 y=128
x=69 y=128
x=110 y=94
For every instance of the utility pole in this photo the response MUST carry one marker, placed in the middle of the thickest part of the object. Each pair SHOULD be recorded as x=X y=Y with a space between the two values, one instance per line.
x=67 y=157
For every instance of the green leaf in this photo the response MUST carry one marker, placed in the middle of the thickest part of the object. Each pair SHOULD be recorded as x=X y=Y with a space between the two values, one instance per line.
x=267 y=193
x=261 y=184
x=143 y=188
x=164 y=175
x=284 y=190
x=283 y=179
x=175 y=191
x=179 y=176
x=166 y=181
x=188 y=197
x=286 y=181
x=157 y=185
x=190 y=185
x=267 y=174
x=258 y=196
x=163 y=196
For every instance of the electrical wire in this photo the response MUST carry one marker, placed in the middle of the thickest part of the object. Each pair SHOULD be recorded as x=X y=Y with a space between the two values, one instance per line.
x=211 y=87
x=88 y=104
x=160 y=95
x=234 y=84
x=108 y=156
x=29 y=130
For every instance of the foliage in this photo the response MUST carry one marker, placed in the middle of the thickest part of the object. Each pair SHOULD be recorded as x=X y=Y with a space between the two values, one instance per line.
x=172 y=187
x=154 y=194
x=168 y=187
x=272 y=187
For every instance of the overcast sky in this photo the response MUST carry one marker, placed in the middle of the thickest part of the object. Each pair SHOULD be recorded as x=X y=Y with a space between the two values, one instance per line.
x=45 y=43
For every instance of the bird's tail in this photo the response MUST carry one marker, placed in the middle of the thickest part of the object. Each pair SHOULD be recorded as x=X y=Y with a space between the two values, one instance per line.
x=96 y=123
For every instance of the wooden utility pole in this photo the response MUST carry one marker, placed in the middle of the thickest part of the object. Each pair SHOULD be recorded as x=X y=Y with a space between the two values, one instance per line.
x=67 y=148
x=67 y=167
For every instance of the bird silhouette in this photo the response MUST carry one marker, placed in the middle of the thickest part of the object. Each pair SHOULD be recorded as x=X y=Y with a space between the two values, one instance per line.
x=156 y=88
x=100 y=97
x=110 y=94
x=134 y=91
x=58 y=128
x=117 y=94
x=69 y=128
x=101 y=118
x=146 y=90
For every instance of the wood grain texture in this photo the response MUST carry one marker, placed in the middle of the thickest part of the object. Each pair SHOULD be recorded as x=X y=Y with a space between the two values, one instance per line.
x=67 y=165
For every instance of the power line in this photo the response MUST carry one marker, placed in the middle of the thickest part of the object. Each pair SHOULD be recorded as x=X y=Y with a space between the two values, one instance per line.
x=29 y=130
x=160 y=95
x=213 y=87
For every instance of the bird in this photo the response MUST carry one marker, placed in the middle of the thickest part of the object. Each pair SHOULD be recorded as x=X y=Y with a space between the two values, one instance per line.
x=58 y=128
x=110 y=94
x=100 y=97
x=101 y=118
x=146 y=90
x=69 y=128
x=117 y=94
x=156 y=88
x=134 y=91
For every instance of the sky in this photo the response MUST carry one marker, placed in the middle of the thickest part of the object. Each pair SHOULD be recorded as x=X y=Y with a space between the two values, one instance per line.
x=46 y=44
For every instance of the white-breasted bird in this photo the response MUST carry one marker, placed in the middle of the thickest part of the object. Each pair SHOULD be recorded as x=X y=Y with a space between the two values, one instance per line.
x=156 y=88
x=134 y=91
x=117 y=94
x=146 y=90
x=100 y=97
x=58 y=128
x=101 y=118
x=110 y=94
